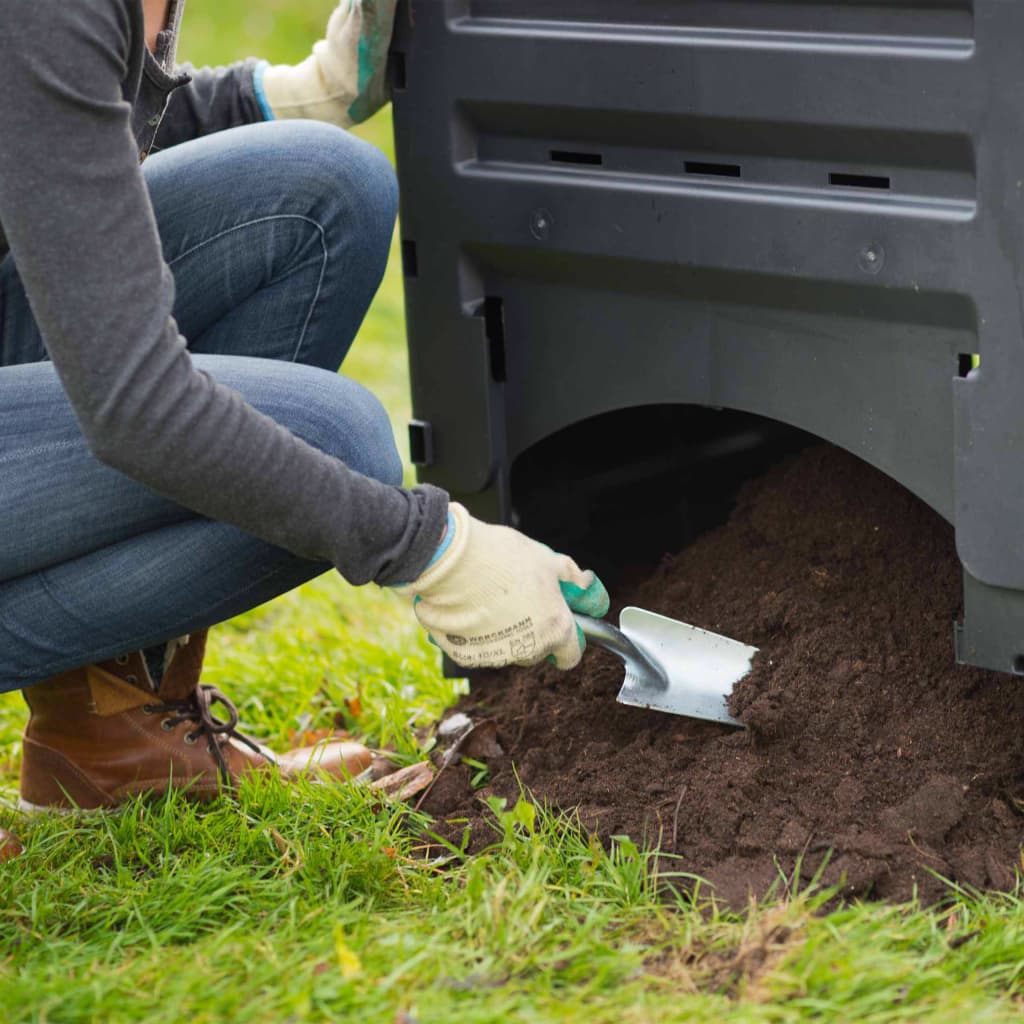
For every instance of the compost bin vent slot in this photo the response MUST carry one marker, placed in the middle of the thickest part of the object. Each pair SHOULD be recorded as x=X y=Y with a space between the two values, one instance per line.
x=421 y=443
x=1018 y=665
x=493 y=311
x=568 y=156
x=716 y=170
x=396 y=71
x=965 y=362
x=877 y=181
x=410 y=264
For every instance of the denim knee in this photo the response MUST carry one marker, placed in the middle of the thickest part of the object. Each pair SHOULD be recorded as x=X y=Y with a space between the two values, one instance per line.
x=350 y=190
x=363 y=438
x=349 y=178
x=344 y=419
x=328 y=411
x=367 y=192
x=370 y=181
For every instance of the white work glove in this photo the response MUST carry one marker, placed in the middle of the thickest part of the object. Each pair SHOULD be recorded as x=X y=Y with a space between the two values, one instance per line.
x=344 y=80
x=494 y=597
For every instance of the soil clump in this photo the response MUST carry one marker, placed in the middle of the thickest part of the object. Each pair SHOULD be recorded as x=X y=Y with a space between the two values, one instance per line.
x=867 y=749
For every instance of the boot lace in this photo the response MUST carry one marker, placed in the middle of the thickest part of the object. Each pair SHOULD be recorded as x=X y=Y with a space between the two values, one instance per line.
x=198 y=709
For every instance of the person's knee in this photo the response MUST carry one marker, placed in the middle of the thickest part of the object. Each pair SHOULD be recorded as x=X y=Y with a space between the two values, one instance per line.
x=362 y=182
x=328 y=411
x=343 y=176
x=347 y=421
x=369 y=177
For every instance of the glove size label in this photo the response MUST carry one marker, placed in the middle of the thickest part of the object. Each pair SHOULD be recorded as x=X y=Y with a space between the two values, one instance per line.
x=522 y=626
x=522 y=642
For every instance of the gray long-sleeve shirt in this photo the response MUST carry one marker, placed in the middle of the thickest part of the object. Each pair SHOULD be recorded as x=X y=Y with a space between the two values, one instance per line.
x=75 y=80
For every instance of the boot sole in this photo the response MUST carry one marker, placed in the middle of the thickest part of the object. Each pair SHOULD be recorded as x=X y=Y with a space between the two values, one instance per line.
x=29 y=808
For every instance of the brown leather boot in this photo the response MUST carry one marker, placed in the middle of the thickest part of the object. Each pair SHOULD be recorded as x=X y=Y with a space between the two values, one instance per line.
x=102 y=733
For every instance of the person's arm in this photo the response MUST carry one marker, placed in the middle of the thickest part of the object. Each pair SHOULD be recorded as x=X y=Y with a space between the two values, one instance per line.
x=343 y=81
x=77 y=215
x=216 y=99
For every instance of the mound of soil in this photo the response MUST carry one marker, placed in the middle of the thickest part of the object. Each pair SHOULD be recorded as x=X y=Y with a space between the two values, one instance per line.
x=867 y=750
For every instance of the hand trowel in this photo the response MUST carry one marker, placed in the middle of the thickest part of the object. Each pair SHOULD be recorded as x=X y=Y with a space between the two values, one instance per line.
x=671 y=666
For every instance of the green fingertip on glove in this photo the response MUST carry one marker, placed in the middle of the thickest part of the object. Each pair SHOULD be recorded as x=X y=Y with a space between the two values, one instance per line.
x=593 y=601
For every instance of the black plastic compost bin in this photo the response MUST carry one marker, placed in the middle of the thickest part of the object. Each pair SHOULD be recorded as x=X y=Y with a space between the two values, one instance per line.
x=646 y=238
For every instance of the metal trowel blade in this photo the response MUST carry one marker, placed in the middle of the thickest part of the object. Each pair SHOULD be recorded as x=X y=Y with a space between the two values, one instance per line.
x=701 y=667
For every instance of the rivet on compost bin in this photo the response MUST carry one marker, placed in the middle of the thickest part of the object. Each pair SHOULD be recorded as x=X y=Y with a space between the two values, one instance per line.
x=540 y=224
x=871 y=258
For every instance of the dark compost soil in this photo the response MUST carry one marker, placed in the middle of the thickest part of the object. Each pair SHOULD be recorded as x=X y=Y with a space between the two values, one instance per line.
x=867 y=749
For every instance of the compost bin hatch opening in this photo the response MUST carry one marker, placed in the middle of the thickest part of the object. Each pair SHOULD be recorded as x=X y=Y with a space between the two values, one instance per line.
x=621 y=489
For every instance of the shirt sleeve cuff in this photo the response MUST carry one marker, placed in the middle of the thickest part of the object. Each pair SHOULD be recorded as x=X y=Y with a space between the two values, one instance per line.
x=446 y=541
x=261 y=93
x=426 y=524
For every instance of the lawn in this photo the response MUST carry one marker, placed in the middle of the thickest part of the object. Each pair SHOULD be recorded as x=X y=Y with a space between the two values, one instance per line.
x=315 y=903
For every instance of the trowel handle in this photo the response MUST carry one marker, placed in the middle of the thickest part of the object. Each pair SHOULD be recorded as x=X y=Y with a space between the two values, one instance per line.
x=605 y=635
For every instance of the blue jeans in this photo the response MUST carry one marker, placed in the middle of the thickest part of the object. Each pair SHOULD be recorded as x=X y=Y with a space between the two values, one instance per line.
x=277 y=235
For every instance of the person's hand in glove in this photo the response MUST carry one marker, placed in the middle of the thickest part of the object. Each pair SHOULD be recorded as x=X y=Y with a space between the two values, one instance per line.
x=344 y=80
x=493 y=597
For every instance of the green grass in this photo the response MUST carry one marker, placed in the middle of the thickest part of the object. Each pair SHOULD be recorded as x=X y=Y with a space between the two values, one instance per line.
x=315 y=903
